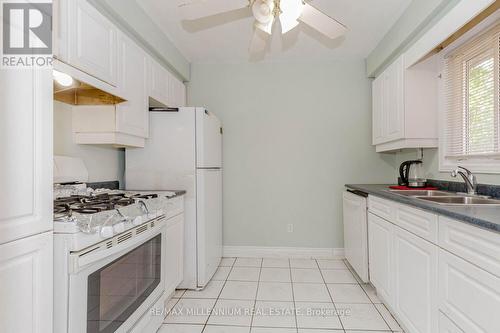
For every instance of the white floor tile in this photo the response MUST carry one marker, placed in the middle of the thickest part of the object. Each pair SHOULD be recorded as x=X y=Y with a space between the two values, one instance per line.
x=305 y=275
x=389 y=319
x=303 y=263
x=275 y=275
x=331 y=264
x=276 y=263
x=190 y=311
x=244 y=274
x=338 y=276
x=227 y=262
x=312 y=330
x=248 y=262
x=348 y=293
x=226 y=329
x=239 y=290
x=371 y=292
x=272 y=330
x=180 y=328
x=308 y=292
x=361 y=317
x=275 y=291
x=356 y=331
x=212 y=290
x=274 y=314
x=317 y=315
x=221 y=274
x=232 y=312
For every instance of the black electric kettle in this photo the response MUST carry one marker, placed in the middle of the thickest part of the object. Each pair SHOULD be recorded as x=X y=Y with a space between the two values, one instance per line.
x=411 y=174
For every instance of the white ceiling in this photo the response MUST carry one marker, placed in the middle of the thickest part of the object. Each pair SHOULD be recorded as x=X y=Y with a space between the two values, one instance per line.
x=216 y=41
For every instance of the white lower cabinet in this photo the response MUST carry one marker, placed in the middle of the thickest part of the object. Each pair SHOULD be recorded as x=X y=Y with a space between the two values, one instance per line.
x=447 y=326
x=380 y=250
x=26 y=285
x=174 y=262
x=445 y=284
x=468 y=295
x=415 y=282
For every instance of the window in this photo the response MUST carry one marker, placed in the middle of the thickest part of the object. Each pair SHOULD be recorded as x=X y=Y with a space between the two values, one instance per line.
x=472 y=118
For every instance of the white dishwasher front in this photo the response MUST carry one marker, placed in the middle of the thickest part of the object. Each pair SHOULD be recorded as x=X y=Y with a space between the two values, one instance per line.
x=356 y=231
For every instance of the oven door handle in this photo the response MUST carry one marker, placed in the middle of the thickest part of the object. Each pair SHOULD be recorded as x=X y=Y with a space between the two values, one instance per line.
x=81 y=259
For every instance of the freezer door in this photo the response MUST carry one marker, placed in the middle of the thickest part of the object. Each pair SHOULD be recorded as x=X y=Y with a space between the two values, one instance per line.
x=209 y=223
x=208 y=140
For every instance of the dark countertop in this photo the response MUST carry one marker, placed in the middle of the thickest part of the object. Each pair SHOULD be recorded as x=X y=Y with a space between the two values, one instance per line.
x=179 y=193
x=487 y=217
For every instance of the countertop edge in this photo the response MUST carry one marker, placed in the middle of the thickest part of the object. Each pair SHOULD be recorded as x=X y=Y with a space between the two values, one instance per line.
x=441 y=210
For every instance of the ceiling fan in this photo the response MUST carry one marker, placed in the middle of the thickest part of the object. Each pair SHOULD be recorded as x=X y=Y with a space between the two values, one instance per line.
x=266 y=12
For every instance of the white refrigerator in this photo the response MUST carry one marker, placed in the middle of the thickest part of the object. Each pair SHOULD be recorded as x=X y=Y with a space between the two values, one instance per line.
x=184 y=152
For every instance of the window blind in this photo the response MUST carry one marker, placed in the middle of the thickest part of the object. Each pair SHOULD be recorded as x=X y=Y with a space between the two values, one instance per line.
x=472 y=75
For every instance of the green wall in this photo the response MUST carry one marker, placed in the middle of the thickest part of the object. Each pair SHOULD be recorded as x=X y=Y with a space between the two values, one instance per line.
x=294 y=134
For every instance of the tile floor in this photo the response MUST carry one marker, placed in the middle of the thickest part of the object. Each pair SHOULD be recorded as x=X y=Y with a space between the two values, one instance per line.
x=280 y=296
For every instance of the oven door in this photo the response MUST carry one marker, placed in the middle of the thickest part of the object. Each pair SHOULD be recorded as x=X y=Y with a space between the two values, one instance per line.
x=111 y=289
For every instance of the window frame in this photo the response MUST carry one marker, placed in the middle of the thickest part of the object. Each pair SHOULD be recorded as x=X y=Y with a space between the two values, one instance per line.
x=478 y=164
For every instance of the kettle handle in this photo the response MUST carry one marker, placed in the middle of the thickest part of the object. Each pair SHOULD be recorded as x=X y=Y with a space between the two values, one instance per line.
x=403 y=173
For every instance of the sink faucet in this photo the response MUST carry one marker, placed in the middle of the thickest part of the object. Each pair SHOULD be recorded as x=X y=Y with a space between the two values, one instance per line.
x=469 y=178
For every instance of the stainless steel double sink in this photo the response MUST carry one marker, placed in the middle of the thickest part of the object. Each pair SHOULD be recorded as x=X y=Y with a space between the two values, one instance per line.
x=448 y=198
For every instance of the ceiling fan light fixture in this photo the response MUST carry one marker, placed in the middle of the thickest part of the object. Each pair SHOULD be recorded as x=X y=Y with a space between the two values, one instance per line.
x=291 y=10
x=263 y=11
x=266 y=27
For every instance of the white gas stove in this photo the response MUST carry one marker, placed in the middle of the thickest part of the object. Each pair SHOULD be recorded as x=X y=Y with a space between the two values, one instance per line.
x=110 y=251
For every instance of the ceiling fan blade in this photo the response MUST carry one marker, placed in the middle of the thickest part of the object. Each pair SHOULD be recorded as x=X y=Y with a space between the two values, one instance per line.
x=196 y=9
x=259 y=41
x=322 y=22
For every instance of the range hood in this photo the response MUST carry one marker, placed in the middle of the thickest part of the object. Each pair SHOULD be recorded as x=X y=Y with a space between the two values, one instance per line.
x=80 y=93
x=74 y=87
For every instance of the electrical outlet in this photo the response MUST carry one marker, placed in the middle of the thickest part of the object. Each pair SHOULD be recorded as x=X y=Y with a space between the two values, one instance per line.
x=289 y=228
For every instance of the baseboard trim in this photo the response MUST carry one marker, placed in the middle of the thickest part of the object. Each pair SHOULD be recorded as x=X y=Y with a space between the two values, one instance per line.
x=283 y=252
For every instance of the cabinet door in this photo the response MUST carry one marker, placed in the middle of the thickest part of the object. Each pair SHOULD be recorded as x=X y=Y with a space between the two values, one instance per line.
x=158 y=80
x=25 y=152
x=177 y=92
x=26 y=287
x=415 y=282
x=393 y=101
x=378 y=108
x=468 y=295
x=92 y=41
x=132 y=116
x=355 y=226
x=380 y=250
x=447 y=326
x=174 y=263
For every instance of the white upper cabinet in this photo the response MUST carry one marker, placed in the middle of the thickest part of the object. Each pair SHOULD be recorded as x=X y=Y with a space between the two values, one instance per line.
x=132 y=115
x=89 y=41
x=159 y=83
x=26 y=153
x=405 y=106
x=176 y=92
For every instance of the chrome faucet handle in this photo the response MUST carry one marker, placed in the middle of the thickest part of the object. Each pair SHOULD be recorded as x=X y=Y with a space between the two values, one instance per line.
x=465 y=169
x=469 y=178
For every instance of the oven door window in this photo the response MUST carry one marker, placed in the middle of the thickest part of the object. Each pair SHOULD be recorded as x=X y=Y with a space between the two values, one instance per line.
x=115 y=291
